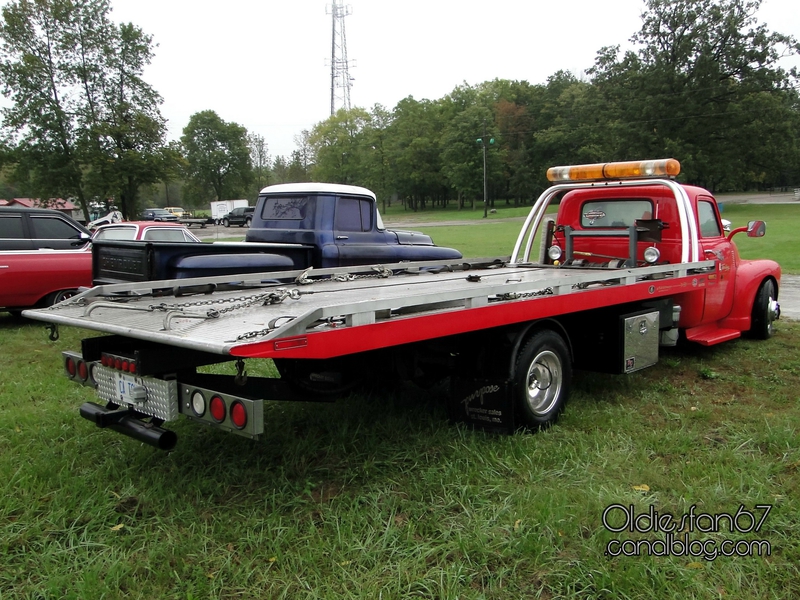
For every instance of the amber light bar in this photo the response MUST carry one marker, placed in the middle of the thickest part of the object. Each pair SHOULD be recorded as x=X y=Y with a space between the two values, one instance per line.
x=635 y=169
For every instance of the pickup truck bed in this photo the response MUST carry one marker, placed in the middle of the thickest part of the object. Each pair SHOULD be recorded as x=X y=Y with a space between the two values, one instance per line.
x=361 y=309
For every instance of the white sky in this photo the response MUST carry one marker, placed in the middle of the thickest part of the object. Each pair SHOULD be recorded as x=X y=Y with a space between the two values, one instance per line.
x=265 y=65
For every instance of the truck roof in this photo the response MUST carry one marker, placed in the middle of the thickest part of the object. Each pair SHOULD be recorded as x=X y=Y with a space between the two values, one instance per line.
x=317 y=188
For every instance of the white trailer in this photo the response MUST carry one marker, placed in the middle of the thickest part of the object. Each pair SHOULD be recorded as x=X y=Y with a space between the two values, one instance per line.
x=220 y=208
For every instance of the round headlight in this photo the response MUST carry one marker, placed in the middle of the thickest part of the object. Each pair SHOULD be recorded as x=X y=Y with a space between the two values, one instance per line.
x=554 y=252
x=651 y=255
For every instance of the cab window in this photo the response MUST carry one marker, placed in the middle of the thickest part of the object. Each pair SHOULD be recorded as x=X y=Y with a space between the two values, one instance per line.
x=292 y=208
x=615 y=213
x=707 y=217
x=164 y=235
x=116 y=233
x=353 y=214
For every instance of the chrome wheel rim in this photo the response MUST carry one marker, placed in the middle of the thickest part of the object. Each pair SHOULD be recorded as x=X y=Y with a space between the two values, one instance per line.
x=543 y=383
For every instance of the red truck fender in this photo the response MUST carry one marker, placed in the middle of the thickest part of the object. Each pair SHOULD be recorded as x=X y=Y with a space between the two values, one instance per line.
x=749 y=277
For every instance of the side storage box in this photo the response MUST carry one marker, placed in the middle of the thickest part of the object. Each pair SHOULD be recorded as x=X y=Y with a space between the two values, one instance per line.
x=605 y=341
x=640 y=337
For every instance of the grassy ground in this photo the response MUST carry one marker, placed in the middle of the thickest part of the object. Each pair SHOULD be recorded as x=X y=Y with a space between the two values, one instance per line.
x=378 y=496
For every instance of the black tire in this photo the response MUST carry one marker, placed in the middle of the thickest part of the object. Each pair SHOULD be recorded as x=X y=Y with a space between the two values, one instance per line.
x=764 y=312
x=542 y=377
x=226 y=223
x=59 y=296
x=247 y=222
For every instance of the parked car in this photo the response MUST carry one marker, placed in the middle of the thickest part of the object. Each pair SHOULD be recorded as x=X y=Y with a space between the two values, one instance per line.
x=177 y=211
x=149 y=231
x=45 y=256
x=241 y=216
x=157 y=214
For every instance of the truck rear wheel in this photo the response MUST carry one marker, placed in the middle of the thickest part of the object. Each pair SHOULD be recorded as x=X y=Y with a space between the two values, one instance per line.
x=542 y=379
x=765 y=311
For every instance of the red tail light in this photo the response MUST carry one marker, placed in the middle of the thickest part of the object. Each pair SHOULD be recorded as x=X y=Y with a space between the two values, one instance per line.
x=217 y=406
x=83 y=371
x=238 y=415
x=120 y=363
x=69 y=364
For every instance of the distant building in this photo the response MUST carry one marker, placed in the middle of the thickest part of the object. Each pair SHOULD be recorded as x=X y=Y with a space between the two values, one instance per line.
x=64 y=206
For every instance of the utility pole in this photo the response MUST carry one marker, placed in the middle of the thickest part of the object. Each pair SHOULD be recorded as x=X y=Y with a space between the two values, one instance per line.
x=341 y=82
x=485 y=141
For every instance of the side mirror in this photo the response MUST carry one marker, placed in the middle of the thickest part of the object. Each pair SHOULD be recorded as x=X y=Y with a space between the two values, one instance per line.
x=753 y=229
x=756 y=229
x=726 y=225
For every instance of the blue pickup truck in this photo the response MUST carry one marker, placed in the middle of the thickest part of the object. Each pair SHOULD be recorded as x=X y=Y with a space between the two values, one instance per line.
x=294 y=226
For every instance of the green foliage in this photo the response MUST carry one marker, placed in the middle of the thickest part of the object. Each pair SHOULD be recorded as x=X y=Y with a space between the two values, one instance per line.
x=259 y=158
x=82 y=123
x=218 y=158
x=705 y=86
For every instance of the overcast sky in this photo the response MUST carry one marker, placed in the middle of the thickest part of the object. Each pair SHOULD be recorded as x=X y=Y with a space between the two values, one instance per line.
x=265 y=63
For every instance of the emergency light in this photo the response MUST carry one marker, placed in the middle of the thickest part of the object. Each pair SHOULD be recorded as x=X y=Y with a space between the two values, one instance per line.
x=634 y=169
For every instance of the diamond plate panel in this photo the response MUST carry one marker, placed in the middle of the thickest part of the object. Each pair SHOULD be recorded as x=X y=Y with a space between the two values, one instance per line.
x=161 y=400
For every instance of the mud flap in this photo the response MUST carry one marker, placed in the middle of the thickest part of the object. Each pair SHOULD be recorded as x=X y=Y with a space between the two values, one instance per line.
x=486 y=404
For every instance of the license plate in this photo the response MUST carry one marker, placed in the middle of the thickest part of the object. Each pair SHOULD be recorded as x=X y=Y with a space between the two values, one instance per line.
x=125 y=385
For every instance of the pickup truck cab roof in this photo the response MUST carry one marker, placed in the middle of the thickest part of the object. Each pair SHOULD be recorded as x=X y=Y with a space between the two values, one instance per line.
x=149 y=231
x=318 y=188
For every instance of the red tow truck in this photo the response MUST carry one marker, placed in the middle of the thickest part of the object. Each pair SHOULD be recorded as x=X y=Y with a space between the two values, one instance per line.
x=631 y=261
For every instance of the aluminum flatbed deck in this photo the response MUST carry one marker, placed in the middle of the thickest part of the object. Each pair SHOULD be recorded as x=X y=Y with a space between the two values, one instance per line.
x=333 y=312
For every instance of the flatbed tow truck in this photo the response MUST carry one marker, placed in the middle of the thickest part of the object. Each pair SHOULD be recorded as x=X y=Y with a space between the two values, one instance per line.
x=632 y=260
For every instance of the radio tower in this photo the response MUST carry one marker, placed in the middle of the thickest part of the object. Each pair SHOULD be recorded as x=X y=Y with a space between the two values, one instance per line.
x=340 y=66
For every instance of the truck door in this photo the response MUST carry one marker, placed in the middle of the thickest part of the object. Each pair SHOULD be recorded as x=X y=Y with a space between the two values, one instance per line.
x=715 y=246
x=356 y=238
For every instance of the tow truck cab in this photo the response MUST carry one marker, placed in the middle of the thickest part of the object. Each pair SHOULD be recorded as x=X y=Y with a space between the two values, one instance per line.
x=612 y=225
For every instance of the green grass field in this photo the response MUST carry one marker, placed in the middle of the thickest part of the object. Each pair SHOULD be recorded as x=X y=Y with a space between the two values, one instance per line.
x=379 y=496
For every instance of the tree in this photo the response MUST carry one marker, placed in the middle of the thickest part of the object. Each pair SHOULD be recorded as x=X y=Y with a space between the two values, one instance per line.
x=414 y=142
x=218 y=157
x=259 y=157
x=280 y=170
x=338 y=147
x=705 y=86
x=83 y=122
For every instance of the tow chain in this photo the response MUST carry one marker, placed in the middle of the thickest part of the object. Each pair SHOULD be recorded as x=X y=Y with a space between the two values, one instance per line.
x=381 y=272
x=271 y=326
x=274 y=297
x=548 y=291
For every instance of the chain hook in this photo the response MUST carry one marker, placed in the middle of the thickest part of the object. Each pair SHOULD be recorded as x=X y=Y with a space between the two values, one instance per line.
x=241 y=374
x=53 y=329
